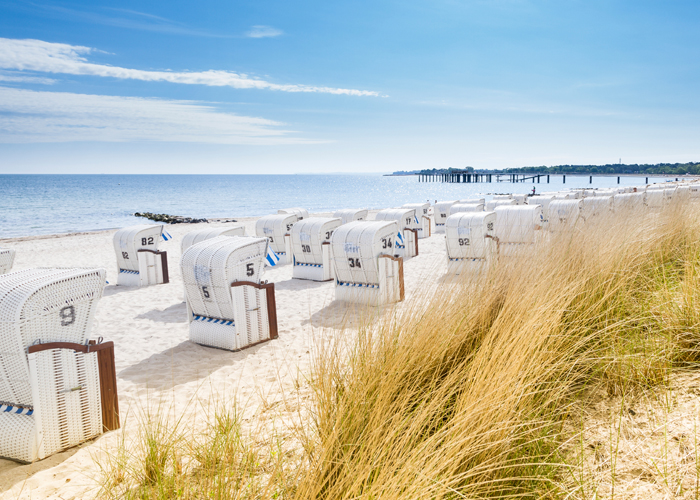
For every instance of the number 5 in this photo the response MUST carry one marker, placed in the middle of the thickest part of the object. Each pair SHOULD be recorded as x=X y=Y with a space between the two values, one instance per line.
x=249 y=269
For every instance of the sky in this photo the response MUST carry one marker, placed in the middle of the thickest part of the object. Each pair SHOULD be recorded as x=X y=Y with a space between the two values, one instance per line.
x=270 y=87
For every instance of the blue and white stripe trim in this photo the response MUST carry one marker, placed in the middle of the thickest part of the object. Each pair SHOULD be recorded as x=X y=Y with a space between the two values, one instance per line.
x=19 y=410
x=357 y=285
x=272 y=258
x=399 y=237
x=466 y=259
x=128 y=271
x=166 y=236
x=307 y=265
x=213 y=320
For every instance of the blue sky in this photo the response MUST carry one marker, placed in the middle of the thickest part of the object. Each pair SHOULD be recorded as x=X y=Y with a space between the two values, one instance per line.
x=300 y=87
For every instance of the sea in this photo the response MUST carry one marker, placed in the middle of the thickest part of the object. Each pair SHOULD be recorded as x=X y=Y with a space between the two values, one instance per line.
x=53 y=204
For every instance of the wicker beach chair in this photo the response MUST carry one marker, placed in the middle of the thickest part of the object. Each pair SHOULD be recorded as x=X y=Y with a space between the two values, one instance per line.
x=517 y=229
x=311 y=251
x=57 y=388
x=442 y=212
x=423 y=215
x=139 y=261
x=228 y=305
x=351 y=214
x=7 y=257
x=470 y=241
x=366 y=270
x=406 y=245
x=564 y=214
x=466 y=207
x=277 y=228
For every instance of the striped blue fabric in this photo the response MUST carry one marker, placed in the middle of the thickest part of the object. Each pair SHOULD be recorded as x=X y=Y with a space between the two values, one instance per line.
x=19 y=410
x=166 y=236
x=272 y=258
x=358 y=285
x=128 y=271
x=307 y=265
x=213 y=320
x=399 y=237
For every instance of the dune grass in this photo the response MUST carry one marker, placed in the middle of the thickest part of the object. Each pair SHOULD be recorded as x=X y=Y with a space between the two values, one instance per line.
x=464 y=393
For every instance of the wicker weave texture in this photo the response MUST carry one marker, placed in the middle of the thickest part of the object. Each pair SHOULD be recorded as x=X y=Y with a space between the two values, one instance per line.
x=405 y=217
x=7 y=257
x=42 y=305
x=128 y=240
x=274 y=227
x=207 y=233
x=518 y=224
x=563 y=214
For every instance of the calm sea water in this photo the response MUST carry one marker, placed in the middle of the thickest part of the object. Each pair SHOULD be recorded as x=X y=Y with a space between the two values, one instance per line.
x=50 y=204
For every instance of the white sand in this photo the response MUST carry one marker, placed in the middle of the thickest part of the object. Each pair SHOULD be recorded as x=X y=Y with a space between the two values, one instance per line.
x=156 y=364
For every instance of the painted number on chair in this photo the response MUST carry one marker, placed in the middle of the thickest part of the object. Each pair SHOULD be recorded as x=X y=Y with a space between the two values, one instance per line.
x=329 y=234
x=463 y=242
x=205 y=292
x=306 y=248
x=408 y=221
x=67 y=315
x=386 y=242
x=354 y=262
x=271 y=239
x=147 y=241
x=249 y=269
x=125 y=255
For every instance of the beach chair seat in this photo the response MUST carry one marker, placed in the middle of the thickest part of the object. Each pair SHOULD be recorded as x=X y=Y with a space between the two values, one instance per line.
x=366 y=270
x=423 y=214
x=7 y=257
x=138 y=259
x=57 y=388
x=311 y=251
x=301 y=213
x=277 y=228
x=406 y=244
x=207 y=233
x=470 y=242
x=350 y=214
x=517 y=229
x=228 y=304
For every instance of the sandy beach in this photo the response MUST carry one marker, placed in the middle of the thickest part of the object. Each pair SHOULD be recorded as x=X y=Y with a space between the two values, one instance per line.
x=160 y=370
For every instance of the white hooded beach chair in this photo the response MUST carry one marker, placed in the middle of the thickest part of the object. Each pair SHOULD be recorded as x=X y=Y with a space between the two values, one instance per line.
x=207 y=233
x=350 y=214
x=301 y=213
x=57 y=388
x=466 y=207
x=492 y=204
x=311 y=248
x=407 y=238
x=442 y=212
x=228 y=306
x=470 y=240
x=7 y=257
x=472 y=201
x=366 y=270
x=277 y=229
x=422 y=214
x=517 y=229
x=138 y=259
x=597 y=208
x=563 y=214
x=631 y=202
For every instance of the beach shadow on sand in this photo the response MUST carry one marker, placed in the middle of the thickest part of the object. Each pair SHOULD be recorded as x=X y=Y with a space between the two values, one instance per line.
x=298 y=284
x=12 y=473
x=186 y=362
x=114 y=289
x=177 y=313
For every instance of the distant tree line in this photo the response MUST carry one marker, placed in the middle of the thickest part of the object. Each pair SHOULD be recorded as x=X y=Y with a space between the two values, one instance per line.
x=692 y=168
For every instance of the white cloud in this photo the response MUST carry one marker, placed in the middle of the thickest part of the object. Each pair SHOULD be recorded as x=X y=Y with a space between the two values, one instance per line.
x=37 y=55
x=14 y=77
x=28 y=116
x=261 y=31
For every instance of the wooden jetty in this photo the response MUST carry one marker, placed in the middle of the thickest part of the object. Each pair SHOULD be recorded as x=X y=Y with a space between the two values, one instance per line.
x=459 y=176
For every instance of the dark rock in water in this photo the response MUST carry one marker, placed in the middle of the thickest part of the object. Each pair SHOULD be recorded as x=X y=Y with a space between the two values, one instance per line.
x=169 y=219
